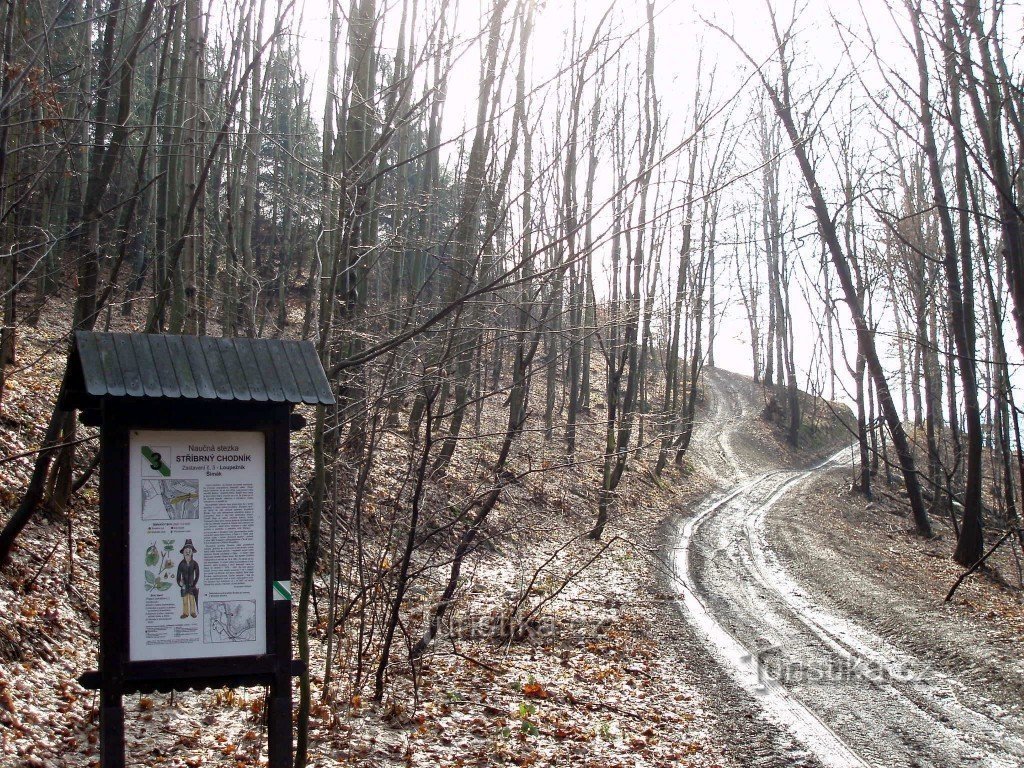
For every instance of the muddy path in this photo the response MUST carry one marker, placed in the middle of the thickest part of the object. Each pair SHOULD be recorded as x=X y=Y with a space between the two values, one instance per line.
x=760 y=595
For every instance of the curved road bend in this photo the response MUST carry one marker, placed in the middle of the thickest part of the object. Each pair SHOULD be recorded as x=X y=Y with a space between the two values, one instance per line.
x=848 y=694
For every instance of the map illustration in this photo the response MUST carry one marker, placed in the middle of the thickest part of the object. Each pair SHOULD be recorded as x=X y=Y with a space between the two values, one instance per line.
x=170 y=499
x=229 y=621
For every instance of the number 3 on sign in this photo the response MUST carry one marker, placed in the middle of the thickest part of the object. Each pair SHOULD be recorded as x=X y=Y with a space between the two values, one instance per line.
x=155 y=461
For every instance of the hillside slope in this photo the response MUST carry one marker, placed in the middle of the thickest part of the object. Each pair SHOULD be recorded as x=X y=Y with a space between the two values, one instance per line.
x=604 y=672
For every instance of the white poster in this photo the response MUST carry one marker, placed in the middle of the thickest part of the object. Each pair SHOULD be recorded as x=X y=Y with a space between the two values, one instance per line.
x=197 y=544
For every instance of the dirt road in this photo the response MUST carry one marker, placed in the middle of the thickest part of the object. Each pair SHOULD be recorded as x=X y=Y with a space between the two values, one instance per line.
x=850 y=693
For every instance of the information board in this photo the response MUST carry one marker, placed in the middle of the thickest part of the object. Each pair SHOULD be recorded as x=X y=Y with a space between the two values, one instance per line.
x=197 y=544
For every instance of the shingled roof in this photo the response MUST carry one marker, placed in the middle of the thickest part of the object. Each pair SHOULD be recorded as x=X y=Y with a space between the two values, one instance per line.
x=193 y=368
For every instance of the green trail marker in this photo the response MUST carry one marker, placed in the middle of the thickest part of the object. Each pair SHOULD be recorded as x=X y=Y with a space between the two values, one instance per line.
x=155 y=461
x=282 y=590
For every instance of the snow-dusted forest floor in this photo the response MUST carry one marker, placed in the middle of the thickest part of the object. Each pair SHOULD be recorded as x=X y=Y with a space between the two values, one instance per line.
x=610 y=671
x=596 y=681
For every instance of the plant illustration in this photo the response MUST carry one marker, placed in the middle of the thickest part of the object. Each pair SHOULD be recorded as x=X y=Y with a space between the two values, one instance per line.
x=158 y=563
x=168 y=549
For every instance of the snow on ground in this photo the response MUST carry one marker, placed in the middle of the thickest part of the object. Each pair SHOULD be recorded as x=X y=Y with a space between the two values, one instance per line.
x=595 y=681
x=608 y=673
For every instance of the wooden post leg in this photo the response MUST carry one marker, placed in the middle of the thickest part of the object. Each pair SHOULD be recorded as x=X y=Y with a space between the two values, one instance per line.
x=111 y=729
x=279 y=723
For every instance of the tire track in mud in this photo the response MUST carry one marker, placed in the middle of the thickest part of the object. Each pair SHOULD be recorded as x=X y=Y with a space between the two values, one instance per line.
x=848 y=694
x=743 y=662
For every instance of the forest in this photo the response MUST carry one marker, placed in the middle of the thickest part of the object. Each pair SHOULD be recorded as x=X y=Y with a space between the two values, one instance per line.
x=527 y=240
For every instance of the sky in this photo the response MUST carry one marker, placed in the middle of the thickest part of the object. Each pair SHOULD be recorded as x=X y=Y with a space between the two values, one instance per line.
x=685 y=33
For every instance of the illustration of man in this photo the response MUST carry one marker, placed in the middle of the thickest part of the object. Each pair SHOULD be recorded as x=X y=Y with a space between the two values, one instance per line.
x=188 y=579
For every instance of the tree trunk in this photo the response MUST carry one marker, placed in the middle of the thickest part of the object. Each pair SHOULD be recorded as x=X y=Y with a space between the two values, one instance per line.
x=780 y=97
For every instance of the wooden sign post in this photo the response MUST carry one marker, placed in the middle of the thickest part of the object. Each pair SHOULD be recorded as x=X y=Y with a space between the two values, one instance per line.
x=194 y=515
